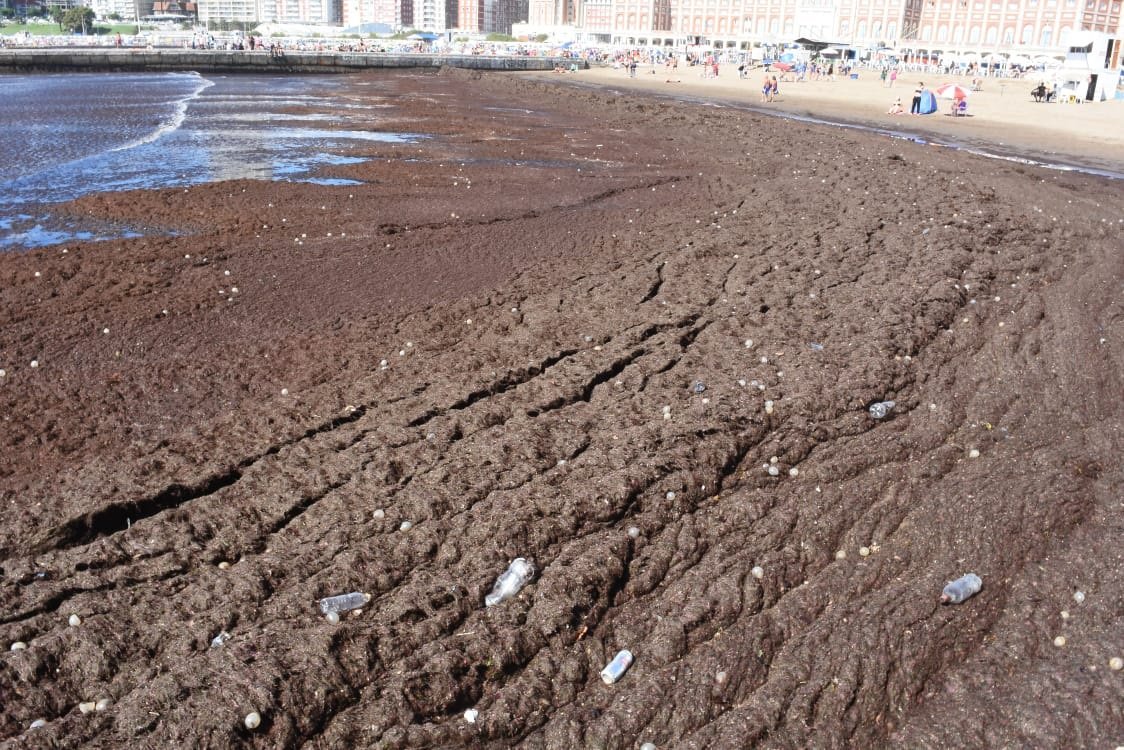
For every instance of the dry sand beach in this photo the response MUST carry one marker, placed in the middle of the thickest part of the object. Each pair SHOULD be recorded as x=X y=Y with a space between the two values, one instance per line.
x=629 y=339
x=1003 y=116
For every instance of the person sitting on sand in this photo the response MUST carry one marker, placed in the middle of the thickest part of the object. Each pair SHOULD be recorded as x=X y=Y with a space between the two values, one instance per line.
x=896 y=107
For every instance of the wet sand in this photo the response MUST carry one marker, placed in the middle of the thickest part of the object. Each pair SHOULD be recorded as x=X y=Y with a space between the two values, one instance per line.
x=576 y=326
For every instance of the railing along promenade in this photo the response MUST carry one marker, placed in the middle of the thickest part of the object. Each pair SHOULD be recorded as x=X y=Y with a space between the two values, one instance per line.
x=237 y=61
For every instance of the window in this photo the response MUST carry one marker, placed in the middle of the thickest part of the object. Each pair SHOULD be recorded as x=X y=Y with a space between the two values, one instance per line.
x=892 y=31
x=991 y=33
x=1046 y=34
x=942 y=34
x=958 y=34
x=844 y=28
x=775 y=26
x=1028 y=34
x=862 y=30
x=927 y=33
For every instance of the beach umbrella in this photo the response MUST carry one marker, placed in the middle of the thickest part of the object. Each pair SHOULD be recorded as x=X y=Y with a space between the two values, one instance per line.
x=952 y=91
x=1020 y=61
x=781 y=66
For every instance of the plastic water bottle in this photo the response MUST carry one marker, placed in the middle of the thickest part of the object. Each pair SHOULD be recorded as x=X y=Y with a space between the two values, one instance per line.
x=615 y=669
x=960 y=589
x=510 y=581
x=881 y=409
x=344 y=602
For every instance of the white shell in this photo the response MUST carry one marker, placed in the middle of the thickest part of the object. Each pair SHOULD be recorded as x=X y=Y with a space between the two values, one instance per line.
x=252 y=720
x=74 y=621
x=333 y=617
x=102 y=704
x=470 y=715
x=18 y=646
x=758 y=572
x=87 y=707
x=38 y=723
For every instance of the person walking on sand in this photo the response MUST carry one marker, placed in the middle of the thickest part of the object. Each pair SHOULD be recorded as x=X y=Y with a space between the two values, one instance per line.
x=775 y=89
x=915 y=107
x=766 y=90
x=893 y=77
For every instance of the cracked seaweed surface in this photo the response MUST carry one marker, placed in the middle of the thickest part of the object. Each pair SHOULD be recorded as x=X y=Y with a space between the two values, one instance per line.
x=133 y=463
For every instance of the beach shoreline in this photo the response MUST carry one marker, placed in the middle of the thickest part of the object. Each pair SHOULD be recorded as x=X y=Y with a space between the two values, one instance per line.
x=631 y=340
x=1005 y=120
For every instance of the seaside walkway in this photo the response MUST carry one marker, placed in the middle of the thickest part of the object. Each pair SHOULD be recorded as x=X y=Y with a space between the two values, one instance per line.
x=224 y=61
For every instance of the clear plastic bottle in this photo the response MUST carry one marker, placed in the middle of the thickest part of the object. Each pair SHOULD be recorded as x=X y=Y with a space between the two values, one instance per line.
x=344 y=602
x=615 y=669
x=510 y=581
x=881 y=409
x=962 y=588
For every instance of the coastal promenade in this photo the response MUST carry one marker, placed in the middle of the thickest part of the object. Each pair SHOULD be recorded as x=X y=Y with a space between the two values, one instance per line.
x=223 y=61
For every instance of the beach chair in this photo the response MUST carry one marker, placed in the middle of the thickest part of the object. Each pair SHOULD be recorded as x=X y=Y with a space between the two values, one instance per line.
x=960 y=109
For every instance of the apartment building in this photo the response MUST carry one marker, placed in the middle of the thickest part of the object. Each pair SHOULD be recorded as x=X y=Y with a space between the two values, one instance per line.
x=300 y=11
x=359 y=12
x=1029 y=26
x=229 y=10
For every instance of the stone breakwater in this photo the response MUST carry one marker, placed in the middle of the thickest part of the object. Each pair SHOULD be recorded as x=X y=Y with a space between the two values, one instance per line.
x=221 y=61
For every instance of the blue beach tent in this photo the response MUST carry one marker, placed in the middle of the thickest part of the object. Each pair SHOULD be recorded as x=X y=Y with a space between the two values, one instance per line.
x=928 y=102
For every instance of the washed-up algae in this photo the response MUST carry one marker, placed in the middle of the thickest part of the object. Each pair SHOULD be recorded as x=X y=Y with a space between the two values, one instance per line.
x=497 y=338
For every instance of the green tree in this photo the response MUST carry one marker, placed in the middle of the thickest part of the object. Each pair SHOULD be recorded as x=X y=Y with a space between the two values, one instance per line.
x=57 y=16
x=499 y=38
x=78 y=18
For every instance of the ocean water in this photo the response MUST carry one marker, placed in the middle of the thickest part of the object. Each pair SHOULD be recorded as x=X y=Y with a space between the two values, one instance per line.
x=67 y=135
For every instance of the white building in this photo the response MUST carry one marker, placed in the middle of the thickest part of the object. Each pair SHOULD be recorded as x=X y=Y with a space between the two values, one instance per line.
x=429 y=15
x=127 y=9
x=1091 y=71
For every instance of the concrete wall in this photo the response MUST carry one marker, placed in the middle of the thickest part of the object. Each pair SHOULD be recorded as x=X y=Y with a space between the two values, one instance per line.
x=23 y=60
